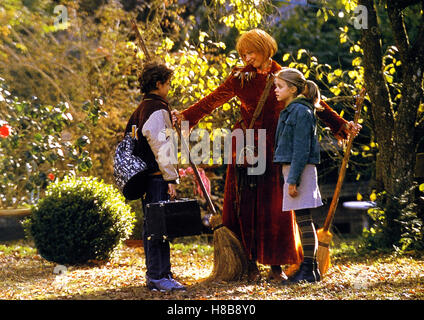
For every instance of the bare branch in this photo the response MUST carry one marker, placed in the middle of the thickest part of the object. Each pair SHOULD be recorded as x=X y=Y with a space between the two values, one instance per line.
x=402 y=4
x=10 y=52
x=348 y=99
x=399 y=30
x=417 y=49
x=49 y=79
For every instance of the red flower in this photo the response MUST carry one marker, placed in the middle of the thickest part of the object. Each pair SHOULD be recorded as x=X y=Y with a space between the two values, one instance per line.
x=205 y=180
x=182 y=172
x=206 y=183
x=51 y=176
x=4 y=131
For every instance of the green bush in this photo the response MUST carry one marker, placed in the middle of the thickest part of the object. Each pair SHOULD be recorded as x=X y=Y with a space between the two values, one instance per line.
x=80 y=219
x=406 y=231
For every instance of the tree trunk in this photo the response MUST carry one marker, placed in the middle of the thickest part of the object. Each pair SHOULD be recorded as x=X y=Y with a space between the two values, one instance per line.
x=412 y=75
x=394 y=123
x=378 y=92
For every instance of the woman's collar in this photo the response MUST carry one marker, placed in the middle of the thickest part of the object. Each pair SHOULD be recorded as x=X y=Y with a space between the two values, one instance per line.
x=274 y=67
x=248 y=68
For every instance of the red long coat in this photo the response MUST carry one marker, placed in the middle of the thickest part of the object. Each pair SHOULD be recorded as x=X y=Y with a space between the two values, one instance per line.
x=268 y=231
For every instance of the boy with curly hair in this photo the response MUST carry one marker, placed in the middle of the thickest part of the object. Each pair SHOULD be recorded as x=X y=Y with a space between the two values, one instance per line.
x=149 y=123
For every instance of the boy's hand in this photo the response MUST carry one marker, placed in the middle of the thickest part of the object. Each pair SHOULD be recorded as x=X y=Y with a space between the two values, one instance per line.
x=292 y=190
x=177 y=117
x=172 y=191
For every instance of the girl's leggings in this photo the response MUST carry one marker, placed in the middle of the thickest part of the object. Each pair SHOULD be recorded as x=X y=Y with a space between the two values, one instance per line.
x=309 y=235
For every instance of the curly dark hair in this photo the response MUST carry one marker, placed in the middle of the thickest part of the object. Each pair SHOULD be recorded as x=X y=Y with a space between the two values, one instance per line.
x=152 y=73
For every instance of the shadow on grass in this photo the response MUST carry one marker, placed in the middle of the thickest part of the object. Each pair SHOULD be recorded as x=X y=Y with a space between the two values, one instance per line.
x=27 y=270
x=202 y=289
x=401 y=289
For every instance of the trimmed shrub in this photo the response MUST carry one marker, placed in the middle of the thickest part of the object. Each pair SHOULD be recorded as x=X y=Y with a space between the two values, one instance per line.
x=78 y=220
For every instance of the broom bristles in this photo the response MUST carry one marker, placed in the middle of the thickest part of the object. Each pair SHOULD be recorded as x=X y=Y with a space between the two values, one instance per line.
x=291 y=269
x=230 y=261
x=323 y=252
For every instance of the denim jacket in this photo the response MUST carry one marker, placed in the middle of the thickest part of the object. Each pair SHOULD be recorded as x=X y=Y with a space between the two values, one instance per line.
x=296 y=139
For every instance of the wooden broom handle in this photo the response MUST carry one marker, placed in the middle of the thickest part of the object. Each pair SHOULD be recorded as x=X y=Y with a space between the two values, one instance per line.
x=140 y=39
x=196 y=171
x=335 y=199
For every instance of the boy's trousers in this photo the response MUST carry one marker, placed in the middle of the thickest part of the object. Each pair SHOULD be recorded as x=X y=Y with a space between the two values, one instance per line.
x=157 y=252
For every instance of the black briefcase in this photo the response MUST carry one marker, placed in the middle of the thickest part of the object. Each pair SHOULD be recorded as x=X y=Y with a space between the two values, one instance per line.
x=171 y=219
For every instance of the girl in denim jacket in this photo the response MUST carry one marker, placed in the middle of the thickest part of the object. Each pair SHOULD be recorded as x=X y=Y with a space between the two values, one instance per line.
x=297 y=149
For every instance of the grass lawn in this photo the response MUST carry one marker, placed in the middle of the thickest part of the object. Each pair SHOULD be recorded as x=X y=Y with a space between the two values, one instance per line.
x=26 y=275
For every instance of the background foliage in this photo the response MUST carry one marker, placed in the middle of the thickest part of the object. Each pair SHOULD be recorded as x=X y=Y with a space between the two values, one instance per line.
x=91 y=62
x=37 y=148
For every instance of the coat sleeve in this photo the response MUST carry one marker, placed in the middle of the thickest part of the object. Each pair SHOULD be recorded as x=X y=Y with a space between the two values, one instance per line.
x=302 y=139
x=331 y=118
x=209 y=103
x=277 y=136
x=157 y=131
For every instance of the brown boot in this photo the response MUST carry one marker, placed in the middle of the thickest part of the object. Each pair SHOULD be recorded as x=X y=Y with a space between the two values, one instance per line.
x=276 y=273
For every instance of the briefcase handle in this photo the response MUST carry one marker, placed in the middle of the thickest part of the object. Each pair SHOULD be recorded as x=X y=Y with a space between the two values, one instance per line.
x=162 y=202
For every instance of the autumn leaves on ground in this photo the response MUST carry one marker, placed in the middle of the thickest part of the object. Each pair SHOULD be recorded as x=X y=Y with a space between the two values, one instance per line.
x=26 y=275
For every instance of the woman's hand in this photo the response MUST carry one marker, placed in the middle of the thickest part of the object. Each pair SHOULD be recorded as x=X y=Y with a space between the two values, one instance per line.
x=292 y=190
x=172 y=191
x=350 y=128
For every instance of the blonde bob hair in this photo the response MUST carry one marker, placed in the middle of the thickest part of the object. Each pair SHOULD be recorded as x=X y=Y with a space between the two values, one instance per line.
x=307 y=88
x=257 y=40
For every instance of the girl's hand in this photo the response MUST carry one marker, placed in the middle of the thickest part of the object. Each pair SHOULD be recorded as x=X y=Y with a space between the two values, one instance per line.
x=172 y=191
x=292 y=190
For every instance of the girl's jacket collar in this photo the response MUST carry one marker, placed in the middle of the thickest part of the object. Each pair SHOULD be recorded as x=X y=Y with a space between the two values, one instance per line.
x=299 y=99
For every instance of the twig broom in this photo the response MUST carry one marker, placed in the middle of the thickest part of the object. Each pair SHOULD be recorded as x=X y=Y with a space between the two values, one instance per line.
x=323 y=234
x=229 y=257
x=230 y=261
